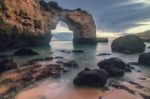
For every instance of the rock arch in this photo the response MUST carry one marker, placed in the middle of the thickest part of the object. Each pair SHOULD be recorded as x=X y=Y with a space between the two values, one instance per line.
x=29 y=23
x=82 y=25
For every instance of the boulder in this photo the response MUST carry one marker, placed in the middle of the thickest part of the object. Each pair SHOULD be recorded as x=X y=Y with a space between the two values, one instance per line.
x=65 y=51
x=48 y=58
x=36 y=60
x=104 y=54
x=91 y=78
x=25 y=52
x=70 y=64
x=59 y=57
x=128 y=44
x=114 y=66
x=133 y=63
x=7 y=64
x=77 y=51
x=144 y=59
x=73 y=51
x=115 y=72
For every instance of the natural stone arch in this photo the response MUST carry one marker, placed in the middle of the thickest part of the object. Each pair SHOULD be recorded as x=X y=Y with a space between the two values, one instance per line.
x=62 y=32
x=29 y=23
x=82 y=25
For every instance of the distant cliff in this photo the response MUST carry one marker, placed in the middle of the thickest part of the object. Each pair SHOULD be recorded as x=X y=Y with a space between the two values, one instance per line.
x=29 y=23
x=145 y=36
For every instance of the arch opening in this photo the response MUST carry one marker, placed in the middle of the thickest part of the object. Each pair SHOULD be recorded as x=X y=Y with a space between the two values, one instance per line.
x=62 y=32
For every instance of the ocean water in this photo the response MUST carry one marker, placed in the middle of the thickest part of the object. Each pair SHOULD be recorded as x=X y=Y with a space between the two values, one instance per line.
x=62 y=87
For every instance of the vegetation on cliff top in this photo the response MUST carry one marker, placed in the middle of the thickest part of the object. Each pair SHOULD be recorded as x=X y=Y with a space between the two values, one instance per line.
x=51 y=4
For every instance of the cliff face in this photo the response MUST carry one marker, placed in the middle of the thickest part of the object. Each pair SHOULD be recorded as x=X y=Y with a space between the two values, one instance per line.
x=29 y=22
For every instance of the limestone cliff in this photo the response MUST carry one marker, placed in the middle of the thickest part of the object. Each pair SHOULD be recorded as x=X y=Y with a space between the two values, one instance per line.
x=29 y=23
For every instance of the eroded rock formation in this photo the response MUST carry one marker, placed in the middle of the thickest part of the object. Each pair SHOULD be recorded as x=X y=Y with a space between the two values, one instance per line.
x=128 y=44
x=29 y=22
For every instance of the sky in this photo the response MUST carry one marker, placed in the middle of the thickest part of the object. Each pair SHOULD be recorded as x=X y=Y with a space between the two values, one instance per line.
x=113 y=16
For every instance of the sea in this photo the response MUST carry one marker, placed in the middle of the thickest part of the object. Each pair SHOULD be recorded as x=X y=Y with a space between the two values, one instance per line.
x=63 y=88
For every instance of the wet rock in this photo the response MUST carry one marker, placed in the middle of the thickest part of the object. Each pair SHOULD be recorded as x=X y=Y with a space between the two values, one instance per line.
x=66 y=70
x=137 y=85
x=128 y=44
x=144 y=59
x=120 y=86
x=59 y=61
x=128 y=52
x=104 y=54
x=7 y=64
x=65 y=51
x=25 y=52
x=145 y=96
x=143 y=78
x=25 y=76
x=133 y=63
x=115 y=71
x=139 y=71
x=91 y=78
x=35 y=60
x=86 y=69
x=51 y=52
x=70 y=64
x=130 y=66
x=48 y=58
x=77 y=51
x=73 y=51
x=3 y=56
x=59 y=57
x=132 y=82
x=114 y=66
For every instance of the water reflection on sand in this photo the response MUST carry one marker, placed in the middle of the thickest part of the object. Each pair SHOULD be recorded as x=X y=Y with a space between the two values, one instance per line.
x=62 y=88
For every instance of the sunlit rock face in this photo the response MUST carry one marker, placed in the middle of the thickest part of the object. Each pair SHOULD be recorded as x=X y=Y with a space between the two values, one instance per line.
x=29 y=23
x=23 y=23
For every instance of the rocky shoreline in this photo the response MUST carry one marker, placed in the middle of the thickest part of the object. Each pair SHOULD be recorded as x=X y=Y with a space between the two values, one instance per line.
x=13 y=81
x=14 y=78
x=28 y=23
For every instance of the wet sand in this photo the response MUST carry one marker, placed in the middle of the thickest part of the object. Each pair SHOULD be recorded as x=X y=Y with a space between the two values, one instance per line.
x=60 y=90
x=64 y=89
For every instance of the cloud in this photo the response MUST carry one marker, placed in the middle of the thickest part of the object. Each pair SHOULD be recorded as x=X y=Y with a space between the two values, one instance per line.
x=113 y=15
